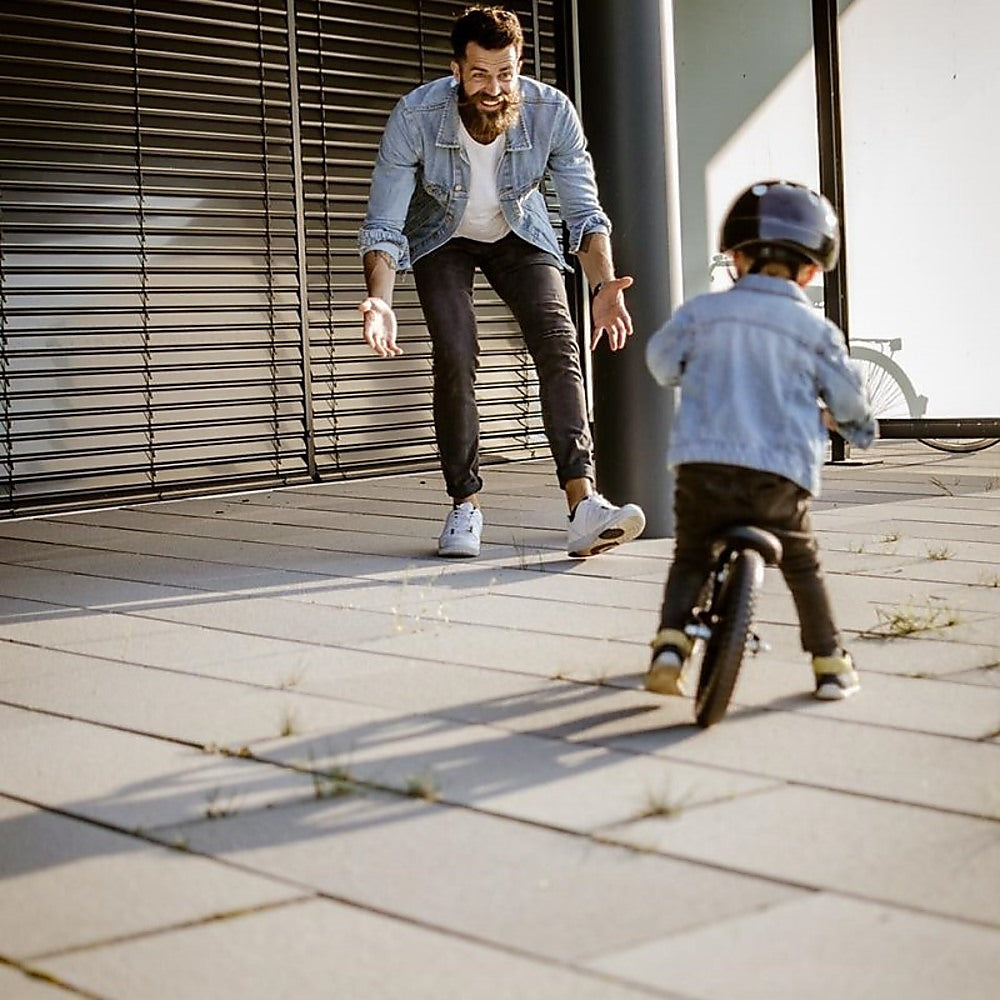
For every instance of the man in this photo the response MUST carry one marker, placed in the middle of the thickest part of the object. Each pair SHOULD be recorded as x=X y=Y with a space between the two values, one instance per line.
x=456 y=186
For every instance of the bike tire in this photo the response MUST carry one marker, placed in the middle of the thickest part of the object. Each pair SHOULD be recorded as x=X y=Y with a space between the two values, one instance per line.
x=720 y=665
x=889 y=388
x=959 y=445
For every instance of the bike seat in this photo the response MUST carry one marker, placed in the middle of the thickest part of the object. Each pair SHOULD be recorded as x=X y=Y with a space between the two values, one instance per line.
x=745 y=536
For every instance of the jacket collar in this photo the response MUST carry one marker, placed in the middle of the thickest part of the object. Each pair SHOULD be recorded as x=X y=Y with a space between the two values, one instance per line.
x=774 y=286
x=447 y=136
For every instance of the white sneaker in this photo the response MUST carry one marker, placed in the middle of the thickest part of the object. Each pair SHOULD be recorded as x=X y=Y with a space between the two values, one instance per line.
x=597 y=525
x=463 y=528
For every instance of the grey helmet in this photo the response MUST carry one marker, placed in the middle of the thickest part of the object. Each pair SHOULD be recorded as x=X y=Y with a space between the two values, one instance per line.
x=782 y=221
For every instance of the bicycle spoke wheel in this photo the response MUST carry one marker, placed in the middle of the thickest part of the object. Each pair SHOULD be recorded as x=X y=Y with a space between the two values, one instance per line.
x=891 y=393
x=959 y=444
x=720 y=666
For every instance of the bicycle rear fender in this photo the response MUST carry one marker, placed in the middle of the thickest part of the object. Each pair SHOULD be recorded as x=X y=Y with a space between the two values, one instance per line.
x=745 y=536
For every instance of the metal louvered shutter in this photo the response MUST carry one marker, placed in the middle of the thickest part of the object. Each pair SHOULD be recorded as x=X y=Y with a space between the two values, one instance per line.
x=151 y=334
x=180 y=192
x=372 y=413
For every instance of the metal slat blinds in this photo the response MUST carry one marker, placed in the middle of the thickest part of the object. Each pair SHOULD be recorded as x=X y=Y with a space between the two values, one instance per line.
x=151 y=341
x=180 y=193
x=355 y=61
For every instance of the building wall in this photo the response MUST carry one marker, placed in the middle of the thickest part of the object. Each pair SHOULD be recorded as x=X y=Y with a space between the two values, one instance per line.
x=919 y=94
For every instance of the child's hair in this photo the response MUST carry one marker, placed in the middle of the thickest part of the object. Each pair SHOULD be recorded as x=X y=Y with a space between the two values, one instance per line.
x=490 y=28
x=784 y=223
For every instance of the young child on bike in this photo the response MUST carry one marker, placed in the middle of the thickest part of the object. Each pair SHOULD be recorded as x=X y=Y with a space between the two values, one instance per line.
x=762 y=376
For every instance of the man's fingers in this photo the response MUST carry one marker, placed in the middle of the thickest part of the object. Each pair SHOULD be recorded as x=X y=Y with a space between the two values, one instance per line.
x=379 y=327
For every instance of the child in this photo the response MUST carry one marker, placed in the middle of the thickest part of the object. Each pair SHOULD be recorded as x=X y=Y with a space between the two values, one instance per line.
x=749 y=435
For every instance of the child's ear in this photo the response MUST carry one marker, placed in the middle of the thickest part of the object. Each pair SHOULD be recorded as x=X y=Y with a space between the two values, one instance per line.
x=806 y=274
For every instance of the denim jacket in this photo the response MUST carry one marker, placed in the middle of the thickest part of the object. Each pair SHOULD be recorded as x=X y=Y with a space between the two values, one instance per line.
x=420 y=185
x=751 y=363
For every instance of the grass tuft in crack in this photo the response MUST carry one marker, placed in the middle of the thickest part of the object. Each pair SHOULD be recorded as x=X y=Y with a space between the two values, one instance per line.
x=907 y=619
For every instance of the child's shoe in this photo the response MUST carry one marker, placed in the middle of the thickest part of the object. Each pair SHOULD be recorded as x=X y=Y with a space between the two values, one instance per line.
x=671 y=648
x=836 y=677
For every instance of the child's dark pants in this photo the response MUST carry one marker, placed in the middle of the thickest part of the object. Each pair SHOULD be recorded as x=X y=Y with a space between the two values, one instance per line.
x=710 y=498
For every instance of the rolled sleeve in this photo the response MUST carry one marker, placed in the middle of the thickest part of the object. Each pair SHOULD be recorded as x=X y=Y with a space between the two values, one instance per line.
x=390 y=241
x=394 y=179
x=572 y=172
x=598 y=222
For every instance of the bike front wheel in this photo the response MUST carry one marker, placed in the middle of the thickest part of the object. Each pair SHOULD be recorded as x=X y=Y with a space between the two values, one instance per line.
x=959 y=445
x=733 y=617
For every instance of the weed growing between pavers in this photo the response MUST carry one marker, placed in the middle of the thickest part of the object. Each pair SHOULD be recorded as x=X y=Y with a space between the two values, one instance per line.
x=665 y=802
x=215 y=809
x=907 y=619
x=332 y=783
x=289 y=723
x=423 y=786
x=291 y=680
x=940 y=554
x=528 y=557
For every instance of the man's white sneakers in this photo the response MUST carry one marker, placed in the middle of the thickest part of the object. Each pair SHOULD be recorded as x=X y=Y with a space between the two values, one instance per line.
x=597 y=525
x=463 y=529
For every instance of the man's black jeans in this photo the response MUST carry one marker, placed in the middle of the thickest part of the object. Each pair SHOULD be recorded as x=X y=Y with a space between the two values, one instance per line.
x=530 y=281
x=710 y=498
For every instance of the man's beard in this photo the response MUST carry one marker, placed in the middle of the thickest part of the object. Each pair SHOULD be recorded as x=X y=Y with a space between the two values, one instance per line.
x=485 y=126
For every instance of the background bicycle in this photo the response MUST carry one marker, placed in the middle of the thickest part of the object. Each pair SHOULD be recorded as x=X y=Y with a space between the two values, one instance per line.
x=890 y=389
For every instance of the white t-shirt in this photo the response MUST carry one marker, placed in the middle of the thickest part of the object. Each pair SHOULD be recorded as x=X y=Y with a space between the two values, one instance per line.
x=483 y=219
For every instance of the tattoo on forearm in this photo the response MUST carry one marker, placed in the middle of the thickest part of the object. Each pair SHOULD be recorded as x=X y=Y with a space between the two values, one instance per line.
x=373 y=256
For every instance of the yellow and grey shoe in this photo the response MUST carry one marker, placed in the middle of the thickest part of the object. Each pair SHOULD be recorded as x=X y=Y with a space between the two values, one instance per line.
x=666 y=674
x=836 y=677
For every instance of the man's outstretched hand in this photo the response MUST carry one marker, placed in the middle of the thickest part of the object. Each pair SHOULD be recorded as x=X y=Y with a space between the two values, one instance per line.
x=610 y=315
x=380 y=327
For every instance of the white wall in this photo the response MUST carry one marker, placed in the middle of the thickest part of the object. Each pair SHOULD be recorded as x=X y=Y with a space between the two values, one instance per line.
x=921 y=93
x=921 y=105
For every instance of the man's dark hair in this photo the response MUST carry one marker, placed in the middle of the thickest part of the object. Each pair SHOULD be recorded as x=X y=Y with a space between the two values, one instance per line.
x=489 y=27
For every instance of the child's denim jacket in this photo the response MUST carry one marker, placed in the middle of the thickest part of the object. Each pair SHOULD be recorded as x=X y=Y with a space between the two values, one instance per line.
x=751 y=363
x=420 y=185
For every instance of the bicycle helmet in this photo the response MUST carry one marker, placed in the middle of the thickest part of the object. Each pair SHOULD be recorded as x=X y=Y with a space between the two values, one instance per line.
x=782 y=221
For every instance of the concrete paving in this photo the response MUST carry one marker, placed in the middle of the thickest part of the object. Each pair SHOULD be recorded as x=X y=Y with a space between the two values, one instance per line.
x=270 y=746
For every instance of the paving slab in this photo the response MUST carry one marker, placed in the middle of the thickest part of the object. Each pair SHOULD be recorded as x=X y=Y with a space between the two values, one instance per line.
x=835 y=753
x=18 y=985
x=915 y=858
x=70 y=884
x=900 y=701
x=326 y=950
x=143 y=650
x=502 y=647
x=538 y=779
x=553 y=617
x=48 y=625
x=453 y=868
x=823 y=947
x=129 y=780
x=167 y=704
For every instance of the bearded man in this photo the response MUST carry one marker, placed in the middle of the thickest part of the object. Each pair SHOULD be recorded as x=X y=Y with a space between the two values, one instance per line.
x=456 y=186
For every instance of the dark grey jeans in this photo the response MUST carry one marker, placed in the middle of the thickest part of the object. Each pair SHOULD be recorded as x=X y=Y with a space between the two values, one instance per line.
x=710 y=498
x=530 y=281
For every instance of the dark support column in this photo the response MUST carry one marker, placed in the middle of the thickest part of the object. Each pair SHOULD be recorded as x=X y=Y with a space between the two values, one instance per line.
x=622 y=73
x=826 y=45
